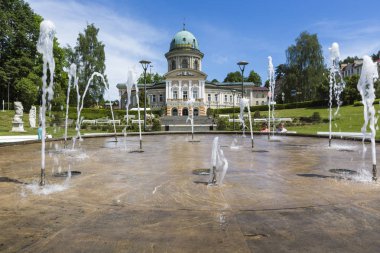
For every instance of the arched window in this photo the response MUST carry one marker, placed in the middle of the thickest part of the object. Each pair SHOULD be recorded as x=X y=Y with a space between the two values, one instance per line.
x=185 y=112
x=185 y=64
x=195 y=112
x=174 y=112
x=173 y=64
x=196 y=65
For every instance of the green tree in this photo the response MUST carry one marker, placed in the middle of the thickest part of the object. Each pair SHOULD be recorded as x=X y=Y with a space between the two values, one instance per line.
x=89 y=56
x=349 y=59
x=233 y=77
x=19 y=31
x=26 y=92
x=350 y=92
x=214 y=80
x=150 y=78
x=305 y=61
x=376 y=57
x=254 y=78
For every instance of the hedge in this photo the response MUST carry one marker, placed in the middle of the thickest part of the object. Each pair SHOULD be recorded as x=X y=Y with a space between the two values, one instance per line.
x=94 y=113
x=317 y=103
x=359 y=103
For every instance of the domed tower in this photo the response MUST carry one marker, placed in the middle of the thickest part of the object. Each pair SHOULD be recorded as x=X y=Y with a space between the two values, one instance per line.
x=185 y=79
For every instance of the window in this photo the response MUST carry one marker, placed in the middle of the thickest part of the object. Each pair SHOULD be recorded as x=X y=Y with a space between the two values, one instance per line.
x=196 y=65
x=257 y=102
x=184 y=96
x=209 y=97
x=225 y=98
x=174 y=112
x=231 y=99
x=154 y=98
x=161 y=97
x=262 y=102
x=262 y=95
x=257 y=95
x=195 y=93
x=216 y=97
x=173 y=64
x=175 y=94
x=185 y=64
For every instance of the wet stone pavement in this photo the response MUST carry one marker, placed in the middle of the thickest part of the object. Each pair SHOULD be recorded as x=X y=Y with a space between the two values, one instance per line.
x=300 y=196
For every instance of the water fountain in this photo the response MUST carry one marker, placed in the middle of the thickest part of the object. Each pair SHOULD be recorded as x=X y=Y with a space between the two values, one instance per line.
x=244 y=102
x=45 y=47
x=80 y=105
x=190 y=117
x=272 y=85
x=336 y=83
x=219 y=164
x=366 y=88
x=130 y=83
x=72 y=73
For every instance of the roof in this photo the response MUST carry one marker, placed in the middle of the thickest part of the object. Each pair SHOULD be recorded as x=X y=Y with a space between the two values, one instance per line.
x=184 y=39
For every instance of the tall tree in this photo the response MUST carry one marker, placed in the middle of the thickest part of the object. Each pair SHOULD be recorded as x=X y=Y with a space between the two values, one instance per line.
x=20 y=64
x=305 y=61
x=89 y=56
x=150 y=78
x=19 y=31
x=233 y=77
x=254 y=78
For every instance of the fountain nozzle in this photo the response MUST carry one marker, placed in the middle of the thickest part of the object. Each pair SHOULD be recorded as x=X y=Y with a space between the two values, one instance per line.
x=42 y=182
x=374 y=172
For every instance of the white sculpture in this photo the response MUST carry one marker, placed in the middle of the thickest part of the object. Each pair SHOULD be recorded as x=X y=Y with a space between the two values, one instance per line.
x=32 y=117
x=17 y=123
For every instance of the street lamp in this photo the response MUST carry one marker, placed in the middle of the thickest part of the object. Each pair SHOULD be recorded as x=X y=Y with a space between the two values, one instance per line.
x=144 y=64
x=233 y=107
x=242 y=65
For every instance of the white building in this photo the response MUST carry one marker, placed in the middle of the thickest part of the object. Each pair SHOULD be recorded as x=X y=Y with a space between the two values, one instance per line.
x=185 y=79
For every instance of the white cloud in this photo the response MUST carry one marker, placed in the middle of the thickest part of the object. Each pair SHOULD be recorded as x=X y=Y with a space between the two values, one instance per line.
x=356 y=38
x=126 y=40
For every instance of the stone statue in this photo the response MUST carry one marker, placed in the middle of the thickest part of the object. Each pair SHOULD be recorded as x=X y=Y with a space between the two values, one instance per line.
x=32 y=117
x=17 y=123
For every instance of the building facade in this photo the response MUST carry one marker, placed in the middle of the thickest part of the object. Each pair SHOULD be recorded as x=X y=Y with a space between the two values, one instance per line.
x=185 y=80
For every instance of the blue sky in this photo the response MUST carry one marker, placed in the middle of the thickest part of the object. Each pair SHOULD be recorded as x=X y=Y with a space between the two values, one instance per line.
x=227 y=31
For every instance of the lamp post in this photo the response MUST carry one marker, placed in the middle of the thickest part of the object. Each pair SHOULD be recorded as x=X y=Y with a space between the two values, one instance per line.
x=233 y=107
x=144 y=64
x=242 y=65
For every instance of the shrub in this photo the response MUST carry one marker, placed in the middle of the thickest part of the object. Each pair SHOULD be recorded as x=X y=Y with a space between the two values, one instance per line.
x=317 y=103
x=156 y=124
x=316 y=117
x=256 y=114
x=222 y=123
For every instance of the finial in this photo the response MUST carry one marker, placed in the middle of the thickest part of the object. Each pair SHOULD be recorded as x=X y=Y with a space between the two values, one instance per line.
x=184 y=24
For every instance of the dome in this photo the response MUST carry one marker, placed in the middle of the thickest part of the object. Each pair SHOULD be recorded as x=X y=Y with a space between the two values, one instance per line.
x=184 y=39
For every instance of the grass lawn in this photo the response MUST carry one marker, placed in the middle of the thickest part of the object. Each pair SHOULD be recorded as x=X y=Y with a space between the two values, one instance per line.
x=6 y=127
x=349 y=119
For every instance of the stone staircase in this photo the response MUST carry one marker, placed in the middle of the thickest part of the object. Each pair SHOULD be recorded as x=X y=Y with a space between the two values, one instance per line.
x=178 y=123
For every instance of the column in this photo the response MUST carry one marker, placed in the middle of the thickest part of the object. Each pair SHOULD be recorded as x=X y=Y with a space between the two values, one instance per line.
x=190 y=95
x=166 y=90
x=180 y=95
